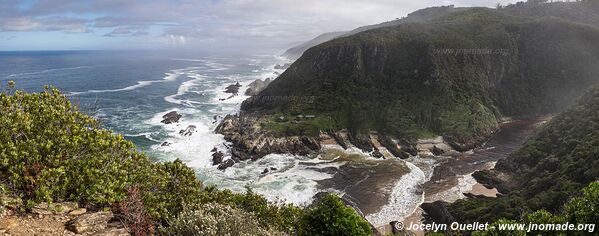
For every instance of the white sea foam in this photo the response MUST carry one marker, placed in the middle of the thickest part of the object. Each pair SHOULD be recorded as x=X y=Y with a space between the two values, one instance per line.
x=183 y=89
x=287 y=179
x=406 y=196
x=52 y=70
x=140 y=84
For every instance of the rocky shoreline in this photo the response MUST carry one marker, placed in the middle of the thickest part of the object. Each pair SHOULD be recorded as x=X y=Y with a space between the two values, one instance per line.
x=251 y=142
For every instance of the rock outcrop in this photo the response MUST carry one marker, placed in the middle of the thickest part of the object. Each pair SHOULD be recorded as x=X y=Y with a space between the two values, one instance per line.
x=171 y=117
x=188 y=131
x=233 y=89
x=90 y=222
x=257 y=86
x=250 y=141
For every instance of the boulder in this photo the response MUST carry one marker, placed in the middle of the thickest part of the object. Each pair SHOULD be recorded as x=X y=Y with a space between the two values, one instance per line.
x=90 y=222
x=361 y=141
x=171 y=117
x=391 y=146
x=437 y=151
x=226 y=164
x=233 y=89
x=265 y=171
x=188 y=131
x=217 y=158
x=437 y=212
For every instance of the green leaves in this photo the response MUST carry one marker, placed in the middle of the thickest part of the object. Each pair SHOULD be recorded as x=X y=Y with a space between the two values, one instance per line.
x=332 y=217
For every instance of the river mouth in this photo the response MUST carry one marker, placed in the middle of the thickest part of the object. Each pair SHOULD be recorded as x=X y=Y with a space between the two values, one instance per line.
x=366 y=182
x=454 y=173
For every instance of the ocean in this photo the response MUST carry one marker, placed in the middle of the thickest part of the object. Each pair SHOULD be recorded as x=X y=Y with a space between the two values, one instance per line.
x=129 y=92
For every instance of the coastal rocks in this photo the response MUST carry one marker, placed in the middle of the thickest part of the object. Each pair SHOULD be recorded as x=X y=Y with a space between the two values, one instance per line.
x=90 y=222
x=282 y=67
x=437 y=212
x=226 y=164
x=392 y=147
x=435 y=147
x=257 y=86
x=495 y=179
x=233 y=89
x=217 y=157
x=251 y=142
x=171 y=117
x=361 y=141
x=188 y=131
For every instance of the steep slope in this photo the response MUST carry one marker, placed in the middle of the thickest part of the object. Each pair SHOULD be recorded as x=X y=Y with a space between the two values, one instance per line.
x=586 y=12
x=551 y=167
x=455 y=76
x=422 y=15
x=295 y=52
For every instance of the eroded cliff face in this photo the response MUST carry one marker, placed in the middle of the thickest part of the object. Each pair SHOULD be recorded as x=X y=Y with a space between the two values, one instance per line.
x=251 y=142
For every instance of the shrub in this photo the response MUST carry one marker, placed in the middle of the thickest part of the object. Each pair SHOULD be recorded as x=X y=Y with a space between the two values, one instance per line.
x=282 y=217
x=215 y=219
x=50 y=151
x=332 y=217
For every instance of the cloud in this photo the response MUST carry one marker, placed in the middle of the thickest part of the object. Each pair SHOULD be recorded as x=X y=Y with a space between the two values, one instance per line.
x=64 y=24
x=191 y=22
x=128 y=31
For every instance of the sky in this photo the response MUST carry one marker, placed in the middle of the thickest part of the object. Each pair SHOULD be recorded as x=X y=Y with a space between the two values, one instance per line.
x=191 y=24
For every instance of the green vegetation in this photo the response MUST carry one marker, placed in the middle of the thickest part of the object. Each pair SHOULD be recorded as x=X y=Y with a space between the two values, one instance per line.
x=332 y=217
x=51 y=152
x=456 y=75
x=549 y=169
x=298 y=126
x=579 y=210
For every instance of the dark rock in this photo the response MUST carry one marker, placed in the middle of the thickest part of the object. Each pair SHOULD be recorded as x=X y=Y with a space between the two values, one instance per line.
x=226 y=164
x=217 y=158
x=339 y=140
x=241 y=155
x=233 y=89
x=437 y=151
x=171 y=117
x=272 y=168
x=165 y=144
x=265 y=171
x=391 y=146
x=214 y=149
x=361 y=141
x=437 y=212
x=475 y=196
x=188 y=131
x=377 y=154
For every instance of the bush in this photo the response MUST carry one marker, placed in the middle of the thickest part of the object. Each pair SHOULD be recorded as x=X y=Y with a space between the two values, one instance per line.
x=215 y=219
x=282 y=217
x=332 y=217
x=50 y=151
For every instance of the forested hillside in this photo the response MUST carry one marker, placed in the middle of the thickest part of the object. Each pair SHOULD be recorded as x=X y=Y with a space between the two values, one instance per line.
x=455 y=76
x=552 y=167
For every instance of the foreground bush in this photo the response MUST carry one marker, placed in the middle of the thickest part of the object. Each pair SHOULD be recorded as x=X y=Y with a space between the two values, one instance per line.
x=332 y=217
x=216 y=219
x=50 y=151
